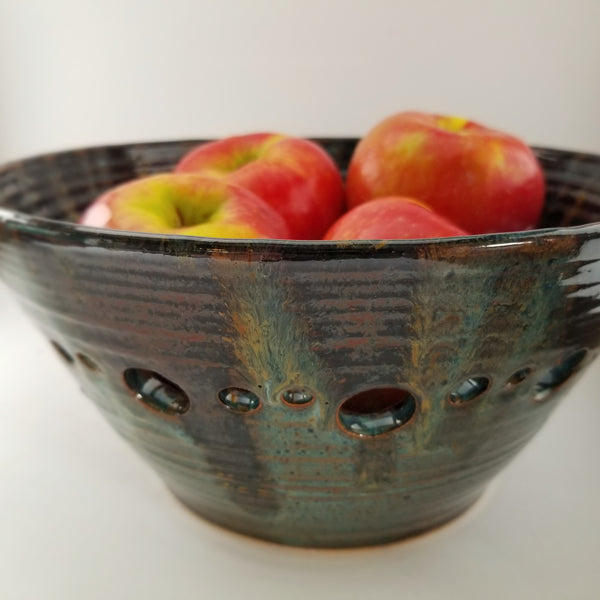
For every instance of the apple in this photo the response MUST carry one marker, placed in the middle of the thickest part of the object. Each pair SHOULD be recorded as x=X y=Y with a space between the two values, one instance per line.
x=482 y=179
x=185 y=204
x=293 y=175
x=390 y=218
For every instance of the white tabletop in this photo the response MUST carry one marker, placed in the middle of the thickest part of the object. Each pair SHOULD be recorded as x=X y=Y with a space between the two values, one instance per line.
x=81 y=516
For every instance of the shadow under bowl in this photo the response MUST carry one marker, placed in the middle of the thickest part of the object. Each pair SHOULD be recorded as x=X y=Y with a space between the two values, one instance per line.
x=310 y=393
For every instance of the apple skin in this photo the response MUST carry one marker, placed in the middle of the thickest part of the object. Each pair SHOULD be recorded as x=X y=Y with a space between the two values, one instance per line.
x=293 y=175
x=185 y=204
x=392 y=218
x=481 y=179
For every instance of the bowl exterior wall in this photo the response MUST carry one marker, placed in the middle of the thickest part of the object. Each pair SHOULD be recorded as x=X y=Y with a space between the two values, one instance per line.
x=484 y=335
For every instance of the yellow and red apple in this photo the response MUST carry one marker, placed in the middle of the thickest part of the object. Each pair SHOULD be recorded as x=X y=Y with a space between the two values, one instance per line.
x=295 y=176
x=392 y=218
x=185 y=204
x=482 y=179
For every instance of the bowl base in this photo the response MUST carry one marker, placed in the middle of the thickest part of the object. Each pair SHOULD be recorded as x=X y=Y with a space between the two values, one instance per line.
x=341 y=540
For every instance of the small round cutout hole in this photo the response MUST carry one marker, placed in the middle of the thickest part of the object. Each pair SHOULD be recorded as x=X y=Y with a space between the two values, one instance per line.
x=377 y=411
x=518 y=377
x=297 y=397
x=469 y=390
x=239 y=399
x=558 y=375
x=156 y=391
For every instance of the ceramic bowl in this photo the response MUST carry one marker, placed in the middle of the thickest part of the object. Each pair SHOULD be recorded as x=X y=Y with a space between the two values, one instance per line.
x=310 y=393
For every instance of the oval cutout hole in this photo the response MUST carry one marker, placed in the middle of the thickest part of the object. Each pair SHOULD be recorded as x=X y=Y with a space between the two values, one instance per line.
x=377 y=411
x=156 y=391
x=469 y=390
x=62 y=353
x=557 y=375
x=239 y=399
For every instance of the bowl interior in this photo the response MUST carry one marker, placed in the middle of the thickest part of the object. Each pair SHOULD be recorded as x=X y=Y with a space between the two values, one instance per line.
x=59 y=186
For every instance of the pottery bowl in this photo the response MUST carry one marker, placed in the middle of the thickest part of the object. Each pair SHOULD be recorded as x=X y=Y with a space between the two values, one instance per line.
x=310 y=393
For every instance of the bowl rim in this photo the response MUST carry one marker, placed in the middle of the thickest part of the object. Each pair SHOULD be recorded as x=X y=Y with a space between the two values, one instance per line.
x=53 y=230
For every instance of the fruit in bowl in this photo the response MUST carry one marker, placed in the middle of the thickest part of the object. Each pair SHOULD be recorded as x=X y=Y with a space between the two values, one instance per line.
x=472 y=178
x=185 y=204
x=482 y=179
x=392 y=218
x=295 y=176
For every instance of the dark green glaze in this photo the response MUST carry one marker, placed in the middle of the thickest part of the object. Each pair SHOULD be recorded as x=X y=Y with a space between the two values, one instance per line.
x=448 y=355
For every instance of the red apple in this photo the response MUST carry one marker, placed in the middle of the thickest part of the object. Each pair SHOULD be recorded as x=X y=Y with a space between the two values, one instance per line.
x=482 y=179
x=293 y=175
x=391 y=218
x=185 y=204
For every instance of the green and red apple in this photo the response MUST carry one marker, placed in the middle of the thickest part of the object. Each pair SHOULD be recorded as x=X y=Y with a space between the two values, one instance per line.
x=482 y=179
x=392 y=218
x=186 y=204
x=295 y=176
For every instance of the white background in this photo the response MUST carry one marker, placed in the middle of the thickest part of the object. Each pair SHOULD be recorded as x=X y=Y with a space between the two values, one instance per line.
x=80 y=515
x=77 y=72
